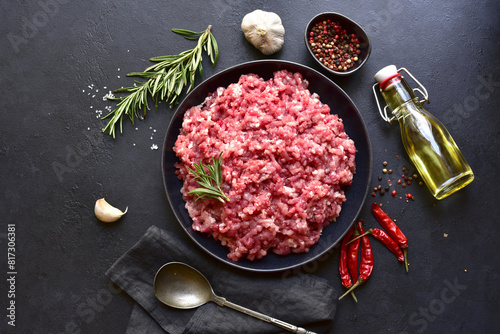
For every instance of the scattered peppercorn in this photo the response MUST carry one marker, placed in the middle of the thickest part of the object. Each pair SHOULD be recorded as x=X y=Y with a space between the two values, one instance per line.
x=333 y=46
x=404 y=182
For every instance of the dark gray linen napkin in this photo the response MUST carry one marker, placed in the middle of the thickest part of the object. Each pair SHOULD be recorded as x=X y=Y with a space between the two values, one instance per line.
x=302 y=300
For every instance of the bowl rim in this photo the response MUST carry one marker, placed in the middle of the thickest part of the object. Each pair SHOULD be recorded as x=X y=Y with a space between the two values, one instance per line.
x=357 y=25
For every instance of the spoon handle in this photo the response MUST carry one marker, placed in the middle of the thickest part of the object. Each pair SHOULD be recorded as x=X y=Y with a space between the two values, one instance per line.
x=221 y=301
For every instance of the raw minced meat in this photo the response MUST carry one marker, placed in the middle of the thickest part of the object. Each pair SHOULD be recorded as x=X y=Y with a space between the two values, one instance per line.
x=285 y=162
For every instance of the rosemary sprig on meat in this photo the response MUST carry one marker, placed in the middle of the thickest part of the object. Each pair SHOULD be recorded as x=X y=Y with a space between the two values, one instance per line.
x=164 y=80
x=209 y=177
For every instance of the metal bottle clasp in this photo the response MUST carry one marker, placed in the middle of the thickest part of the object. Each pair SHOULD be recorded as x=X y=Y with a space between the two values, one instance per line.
x=421 y=89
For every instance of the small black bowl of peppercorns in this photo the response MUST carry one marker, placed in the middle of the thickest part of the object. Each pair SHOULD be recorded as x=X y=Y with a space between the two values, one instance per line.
x=338 y=43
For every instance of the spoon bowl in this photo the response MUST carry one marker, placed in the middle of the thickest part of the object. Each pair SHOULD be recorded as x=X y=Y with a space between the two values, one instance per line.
x=181 y=286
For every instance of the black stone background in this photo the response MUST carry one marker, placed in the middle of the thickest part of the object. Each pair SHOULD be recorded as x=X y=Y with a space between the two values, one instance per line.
x=52 y=51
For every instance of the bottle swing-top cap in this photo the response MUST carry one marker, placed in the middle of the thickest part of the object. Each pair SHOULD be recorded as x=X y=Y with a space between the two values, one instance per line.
x=383 y=79
x=384 y=75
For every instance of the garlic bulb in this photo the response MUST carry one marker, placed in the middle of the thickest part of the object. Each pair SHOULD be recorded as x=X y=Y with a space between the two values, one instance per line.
x=264 y=30
x=107 y=213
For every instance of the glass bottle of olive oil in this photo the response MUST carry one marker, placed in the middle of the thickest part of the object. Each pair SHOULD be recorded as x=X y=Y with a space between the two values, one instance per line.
x=426 y=140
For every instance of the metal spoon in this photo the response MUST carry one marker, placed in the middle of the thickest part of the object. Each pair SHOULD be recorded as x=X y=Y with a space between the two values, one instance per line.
x=181 y=286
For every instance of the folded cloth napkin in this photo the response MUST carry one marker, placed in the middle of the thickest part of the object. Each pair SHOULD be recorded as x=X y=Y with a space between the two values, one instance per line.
x=303 y=300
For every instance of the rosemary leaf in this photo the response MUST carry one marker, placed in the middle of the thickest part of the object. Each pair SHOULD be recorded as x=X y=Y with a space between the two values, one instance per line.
x=164 y=80
x=216 y=50
x=186 y=32
x=209 y=177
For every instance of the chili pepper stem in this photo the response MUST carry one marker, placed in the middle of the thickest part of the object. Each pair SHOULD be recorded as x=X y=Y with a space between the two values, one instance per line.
x=370 y=231
x=351 y=289
x=405 y=251
x=354 y=296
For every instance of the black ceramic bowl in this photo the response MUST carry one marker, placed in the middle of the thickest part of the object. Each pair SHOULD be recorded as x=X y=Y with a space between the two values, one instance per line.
x=356 y=194
x=351 y=27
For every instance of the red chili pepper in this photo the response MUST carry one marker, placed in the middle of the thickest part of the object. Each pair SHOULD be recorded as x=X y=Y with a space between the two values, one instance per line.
x=345 y=277
x=344 y=272
x=387 y=241
x=352 y=254
x=392 y=229
x=366 y=264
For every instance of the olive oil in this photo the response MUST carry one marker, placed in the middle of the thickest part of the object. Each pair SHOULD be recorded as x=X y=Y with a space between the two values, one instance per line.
x=426 y=140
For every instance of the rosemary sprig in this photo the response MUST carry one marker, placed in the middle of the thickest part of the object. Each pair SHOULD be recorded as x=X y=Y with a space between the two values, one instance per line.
x=209 y=177
x=164 y=80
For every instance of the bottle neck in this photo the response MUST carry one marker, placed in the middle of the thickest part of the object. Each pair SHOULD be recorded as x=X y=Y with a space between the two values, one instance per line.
x=397 y=92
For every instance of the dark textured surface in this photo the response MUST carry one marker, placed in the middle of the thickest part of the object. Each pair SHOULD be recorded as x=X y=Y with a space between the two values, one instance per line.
x=57 y=57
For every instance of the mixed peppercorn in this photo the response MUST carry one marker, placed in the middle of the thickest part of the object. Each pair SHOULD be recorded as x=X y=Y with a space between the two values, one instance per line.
x=333 y=46
x=406 y=180
x=357 y=239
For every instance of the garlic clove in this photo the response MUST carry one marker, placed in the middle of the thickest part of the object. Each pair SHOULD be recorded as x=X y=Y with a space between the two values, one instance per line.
x=106 y=212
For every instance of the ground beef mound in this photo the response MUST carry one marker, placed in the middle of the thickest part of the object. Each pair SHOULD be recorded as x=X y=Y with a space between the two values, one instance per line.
x=285 y=161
